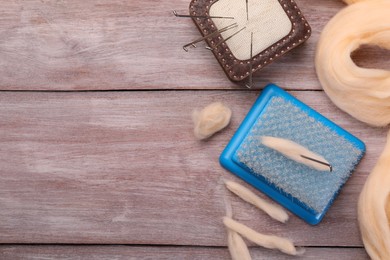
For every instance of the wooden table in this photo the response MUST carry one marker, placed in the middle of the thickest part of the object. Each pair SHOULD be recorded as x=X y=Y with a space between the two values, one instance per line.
x=97 y=155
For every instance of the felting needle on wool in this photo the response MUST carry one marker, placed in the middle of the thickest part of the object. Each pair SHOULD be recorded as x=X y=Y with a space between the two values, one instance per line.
x=274 y=211
x=296 y=152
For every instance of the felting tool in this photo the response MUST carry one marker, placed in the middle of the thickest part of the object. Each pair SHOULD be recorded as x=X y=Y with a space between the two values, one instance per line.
x=199 y=16
x=224 y=29
x=305 y=191
x=268 y=29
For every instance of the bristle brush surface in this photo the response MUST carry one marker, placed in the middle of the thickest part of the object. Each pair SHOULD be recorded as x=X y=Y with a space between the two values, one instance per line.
x=305 y=191
x=296 y=152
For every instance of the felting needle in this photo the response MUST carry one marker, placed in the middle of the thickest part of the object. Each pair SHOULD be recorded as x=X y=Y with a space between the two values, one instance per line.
x=317 y=161
x=228 y=38
x=250 y=65
x=200 y=16
x=296 y=152
x=185 y=47
x=247 y=12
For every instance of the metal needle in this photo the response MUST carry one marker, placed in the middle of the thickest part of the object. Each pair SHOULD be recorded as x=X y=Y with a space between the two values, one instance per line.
x=228 y=38
x=185 y=47
x=200 y=16
x=317 y=161
x=247 y=13
x=250 y=65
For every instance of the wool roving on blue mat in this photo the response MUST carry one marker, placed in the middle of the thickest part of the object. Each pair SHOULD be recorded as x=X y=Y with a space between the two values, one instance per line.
x=306 y=192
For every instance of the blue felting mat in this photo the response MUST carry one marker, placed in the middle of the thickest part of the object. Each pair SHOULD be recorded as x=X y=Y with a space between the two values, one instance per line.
x=306 y=192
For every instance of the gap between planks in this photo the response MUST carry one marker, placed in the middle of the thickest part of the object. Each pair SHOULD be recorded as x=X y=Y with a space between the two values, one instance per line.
x=98 y=252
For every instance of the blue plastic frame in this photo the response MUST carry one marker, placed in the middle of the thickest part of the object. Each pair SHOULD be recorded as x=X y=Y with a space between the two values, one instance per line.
x=228 y=161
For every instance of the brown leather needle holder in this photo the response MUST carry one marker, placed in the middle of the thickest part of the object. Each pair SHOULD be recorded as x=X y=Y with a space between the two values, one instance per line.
x=264 y=31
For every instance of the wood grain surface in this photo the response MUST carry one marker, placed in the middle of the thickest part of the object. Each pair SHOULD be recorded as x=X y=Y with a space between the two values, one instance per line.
x=125 y=168
x=97 y=155
x=165 y=253
x=82 y=45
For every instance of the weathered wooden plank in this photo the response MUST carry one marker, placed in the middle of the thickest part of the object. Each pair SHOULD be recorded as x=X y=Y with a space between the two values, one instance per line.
x=147 y=252
x=78 y=45
x=124 y=167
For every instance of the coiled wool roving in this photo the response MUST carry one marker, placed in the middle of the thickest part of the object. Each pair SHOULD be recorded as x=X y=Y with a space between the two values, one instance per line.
x=364 y=94
x=361 y=92
x=374 y=208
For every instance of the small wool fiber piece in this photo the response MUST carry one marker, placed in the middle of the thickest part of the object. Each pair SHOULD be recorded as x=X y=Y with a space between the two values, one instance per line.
x=210 y=120
x=237 y=247
x=274 y=211
x=267 y=241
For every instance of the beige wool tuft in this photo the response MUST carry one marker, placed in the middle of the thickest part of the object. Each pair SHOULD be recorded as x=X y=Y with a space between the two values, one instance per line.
x=211 y=119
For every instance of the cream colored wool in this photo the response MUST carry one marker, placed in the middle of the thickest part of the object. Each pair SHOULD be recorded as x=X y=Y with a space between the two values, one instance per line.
x=353 y=1
x=273 y=210
x=267 y=241
x=374 y=208
x=363 y=93
x=237 y=246
x=210 y=120
x=294 y=151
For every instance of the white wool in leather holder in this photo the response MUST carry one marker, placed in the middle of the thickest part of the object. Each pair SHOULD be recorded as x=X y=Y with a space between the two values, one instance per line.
x=267 y=20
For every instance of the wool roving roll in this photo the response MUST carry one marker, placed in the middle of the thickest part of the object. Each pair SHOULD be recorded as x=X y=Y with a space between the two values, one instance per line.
x=363 y=93
x=374 y=208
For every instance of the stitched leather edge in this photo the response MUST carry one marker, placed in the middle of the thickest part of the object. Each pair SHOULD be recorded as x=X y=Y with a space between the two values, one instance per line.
x=238 y=70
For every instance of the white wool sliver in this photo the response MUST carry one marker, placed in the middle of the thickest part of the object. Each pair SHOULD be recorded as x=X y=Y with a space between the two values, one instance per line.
x=363 y=93
x=237 y=247
x=211 y=119
x=295 y=152
x=273 y=210
x=267 y=241
x=374 y=208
